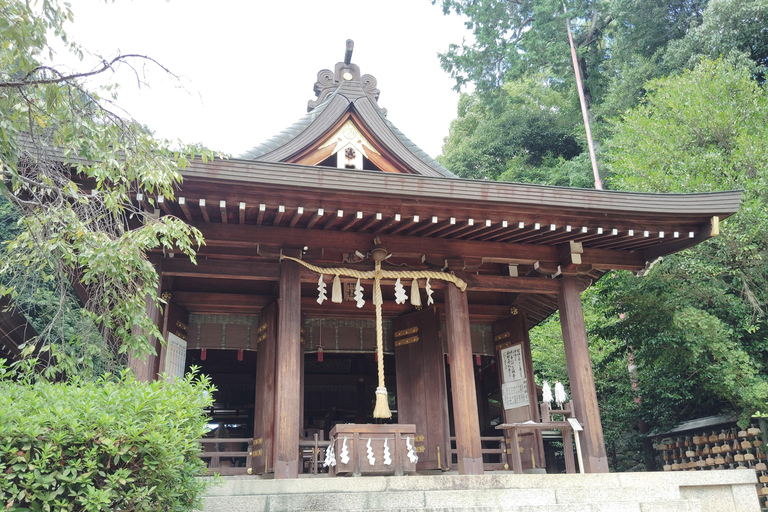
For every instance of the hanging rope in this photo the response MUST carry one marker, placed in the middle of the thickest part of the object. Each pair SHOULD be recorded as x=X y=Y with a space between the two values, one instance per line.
x=388 y=274
x=381 y=410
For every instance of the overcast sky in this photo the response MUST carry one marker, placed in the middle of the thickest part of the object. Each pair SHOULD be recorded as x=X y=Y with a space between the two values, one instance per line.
x=248 y=67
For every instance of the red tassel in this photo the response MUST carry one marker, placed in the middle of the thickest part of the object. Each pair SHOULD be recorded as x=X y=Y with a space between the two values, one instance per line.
x=240 y=354
x=447 y=359
x=319 y=354
x=203 y=354
x=480 y=375
x=478 y=361
x=376 y=356
x=493 y=365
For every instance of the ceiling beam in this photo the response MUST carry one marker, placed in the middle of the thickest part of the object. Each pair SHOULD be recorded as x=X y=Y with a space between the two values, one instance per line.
x=232 y=235
x=257 y=271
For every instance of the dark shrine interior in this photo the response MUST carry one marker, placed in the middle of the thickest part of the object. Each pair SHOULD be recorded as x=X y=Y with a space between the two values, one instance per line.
x=339 y=389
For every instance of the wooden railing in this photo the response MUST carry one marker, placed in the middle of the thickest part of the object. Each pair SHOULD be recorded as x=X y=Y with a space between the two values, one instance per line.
x=226 y=455
x=501 y=451
x=313 y=453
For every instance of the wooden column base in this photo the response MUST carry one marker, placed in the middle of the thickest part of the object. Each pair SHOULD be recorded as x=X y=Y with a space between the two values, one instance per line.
x=469 y=466
x=286 y=469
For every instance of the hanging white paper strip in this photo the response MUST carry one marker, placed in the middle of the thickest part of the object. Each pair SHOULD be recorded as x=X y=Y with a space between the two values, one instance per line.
x=371 y=458
x=400 y=295
x=411 y=453
x=387 y=459
x=344 y=453
x=428 y=289
x=322 y=294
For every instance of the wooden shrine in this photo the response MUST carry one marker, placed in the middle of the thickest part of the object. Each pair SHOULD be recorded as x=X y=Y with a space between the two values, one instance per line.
x=344 y=190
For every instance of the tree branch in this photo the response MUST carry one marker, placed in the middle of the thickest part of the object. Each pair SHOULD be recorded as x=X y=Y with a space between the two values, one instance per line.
x=60 y=78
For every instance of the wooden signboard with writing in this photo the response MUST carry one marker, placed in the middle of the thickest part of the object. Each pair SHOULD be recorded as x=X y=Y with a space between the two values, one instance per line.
x=518 y=389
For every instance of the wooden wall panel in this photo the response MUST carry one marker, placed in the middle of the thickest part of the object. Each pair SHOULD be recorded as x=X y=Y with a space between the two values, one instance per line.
x=421 y=384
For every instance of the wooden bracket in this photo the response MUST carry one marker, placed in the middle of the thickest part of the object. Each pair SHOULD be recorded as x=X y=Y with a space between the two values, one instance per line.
x=570 y=255
x=543 y=268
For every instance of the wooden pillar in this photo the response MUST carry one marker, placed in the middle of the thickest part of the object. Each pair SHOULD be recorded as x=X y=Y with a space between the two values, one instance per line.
x=580 y=376
x=288 y=366
x=465 y=419
x=145 y=368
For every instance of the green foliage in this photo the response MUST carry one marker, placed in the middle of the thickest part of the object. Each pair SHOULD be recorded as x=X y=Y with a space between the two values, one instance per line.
x=513 y=39
x=701 y=131
x=111 y=444
x=733 y=29
x=525 y=134
x=695 y=327
x=697 y=322
x=71 y=168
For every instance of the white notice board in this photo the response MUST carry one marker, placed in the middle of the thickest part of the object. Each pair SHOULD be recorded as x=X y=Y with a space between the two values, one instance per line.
x=175 y=356
x=514 y=390
x=515 y=394
x=512 y=363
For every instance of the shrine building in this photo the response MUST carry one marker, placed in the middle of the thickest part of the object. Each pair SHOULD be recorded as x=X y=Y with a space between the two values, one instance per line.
x=431 y=284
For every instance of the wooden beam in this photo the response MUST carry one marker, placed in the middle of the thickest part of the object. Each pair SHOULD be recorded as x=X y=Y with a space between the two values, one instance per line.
x=297 y=216
x=223 y=210
x=373 y=220
x=314 y=218
x=163 y=205
x=707 y=231
x=352 y=221
x=185 y=209
x=233 y=235
x=452 y=228
x=465 y=415
x=607 y=259
x=279 y=216
x=486 y=234
x=204 y=210
x=212 y=269
x=405 y=225
x=260 y=216
x=333 y=219
x=580 y=375
x=288 y=364
x=570 y=255
x=434 y=228
x=258 y=271
x=485 y=283
x=205 y=302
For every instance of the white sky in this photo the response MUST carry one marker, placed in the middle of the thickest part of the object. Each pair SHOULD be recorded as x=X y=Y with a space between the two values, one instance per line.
x=248 y=67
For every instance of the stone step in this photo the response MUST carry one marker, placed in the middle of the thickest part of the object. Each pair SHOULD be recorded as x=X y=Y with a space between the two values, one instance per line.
x=507 y=499
x=248 y=485
x=612 y=492
x=278 y=504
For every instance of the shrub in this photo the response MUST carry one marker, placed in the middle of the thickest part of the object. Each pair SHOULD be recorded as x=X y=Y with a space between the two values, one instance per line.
x=112 y=444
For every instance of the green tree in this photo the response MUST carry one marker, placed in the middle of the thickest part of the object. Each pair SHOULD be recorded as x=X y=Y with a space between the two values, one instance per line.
x=526 y=135
x=71 y=168
x=515 y=39
x=733 y=29
x=699 y=317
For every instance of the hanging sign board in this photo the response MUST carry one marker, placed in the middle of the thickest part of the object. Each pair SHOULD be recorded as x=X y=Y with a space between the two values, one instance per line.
x=514 y=391
x=512 y=363
x=574 y=424
x=515 y=394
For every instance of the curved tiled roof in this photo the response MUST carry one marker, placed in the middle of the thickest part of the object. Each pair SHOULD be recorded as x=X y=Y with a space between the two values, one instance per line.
x=286 y=135
x=348 y=95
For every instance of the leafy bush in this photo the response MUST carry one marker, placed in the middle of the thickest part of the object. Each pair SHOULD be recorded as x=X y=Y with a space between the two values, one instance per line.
x=112 y=444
